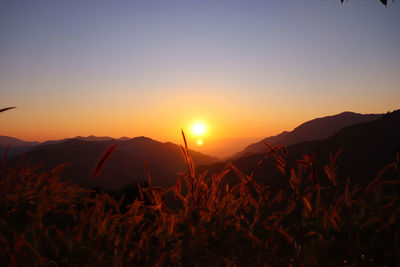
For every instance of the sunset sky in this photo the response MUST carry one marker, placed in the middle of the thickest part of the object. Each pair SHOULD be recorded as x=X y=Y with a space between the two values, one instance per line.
x=247 y=69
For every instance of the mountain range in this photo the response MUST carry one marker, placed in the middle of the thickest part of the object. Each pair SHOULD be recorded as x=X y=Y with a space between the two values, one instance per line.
x=369 y=142
x=366 y=148
x=126 y=164
x=316 y=129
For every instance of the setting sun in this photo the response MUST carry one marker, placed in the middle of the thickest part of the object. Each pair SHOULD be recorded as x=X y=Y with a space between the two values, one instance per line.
x=198 y=129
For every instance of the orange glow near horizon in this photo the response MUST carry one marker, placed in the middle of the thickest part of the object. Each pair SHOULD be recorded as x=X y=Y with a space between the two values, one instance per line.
x=30 y=124
x=223 y=133
x=163 y=117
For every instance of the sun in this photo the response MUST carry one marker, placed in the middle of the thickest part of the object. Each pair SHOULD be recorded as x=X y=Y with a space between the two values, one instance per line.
x=198 y=129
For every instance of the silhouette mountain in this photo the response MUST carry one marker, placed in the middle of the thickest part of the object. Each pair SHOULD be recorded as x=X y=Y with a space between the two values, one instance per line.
x=87 y=138
x=126 y=164
x=367 y=148
x=6 y=140
x=17 y=146
x=316 y=129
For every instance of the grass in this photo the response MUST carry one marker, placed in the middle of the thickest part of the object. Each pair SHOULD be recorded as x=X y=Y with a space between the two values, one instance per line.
x=202 y=220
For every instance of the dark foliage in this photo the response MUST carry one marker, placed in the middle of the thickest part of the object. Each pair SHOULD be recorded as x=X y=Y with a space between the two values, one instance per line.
x=46 y=222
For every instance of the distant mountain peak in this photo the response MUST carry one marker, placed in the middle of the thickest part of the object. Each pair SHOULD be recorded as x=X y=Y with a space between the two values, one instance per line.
x=126 y=164
x=7 y=140
x=345 y=112
x=94 y=138
x=367 y=148
x=143 y=139
x=315 y=129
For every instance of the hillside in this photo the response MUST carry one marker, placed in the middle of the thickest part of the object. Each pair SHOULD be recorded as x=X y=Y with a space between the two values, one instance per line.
x=367 y=148
x=316 y=129
x=17 y=146
x=125 y=165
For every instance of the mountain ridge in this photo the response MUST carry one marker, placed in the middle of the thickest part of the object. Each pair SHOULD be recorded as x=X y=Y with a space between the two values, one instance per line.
x=125 y=165
x=367 y=148
x=315 y=129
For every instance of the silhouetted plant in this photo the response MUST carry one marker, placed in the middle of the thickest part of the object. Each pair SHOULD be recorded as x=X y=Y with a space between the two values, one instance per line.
x=202 y=220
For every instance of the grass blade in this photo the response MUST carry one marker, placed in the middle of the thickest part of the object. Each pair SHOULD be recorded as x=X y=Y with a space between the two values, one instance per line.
x=102 y=161
x=5 y=109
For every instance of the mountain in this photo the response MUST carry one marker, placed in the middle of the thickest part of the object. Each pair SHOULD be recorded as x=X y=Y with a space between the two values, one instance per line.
x=6 y=140
x=316 y=129
x=126 y=164
x=94 y=138
x=87 y=138
x=367 y=148
x=17 y=146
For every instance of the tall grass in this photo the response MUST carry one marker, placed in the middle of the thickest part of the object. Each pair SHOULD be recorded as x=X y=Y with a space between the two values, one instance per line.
x=202 y=220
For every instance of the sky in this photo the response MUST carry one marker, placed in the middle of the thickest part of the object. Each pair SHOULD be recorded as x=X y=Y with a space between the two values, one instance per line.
x=246 y=69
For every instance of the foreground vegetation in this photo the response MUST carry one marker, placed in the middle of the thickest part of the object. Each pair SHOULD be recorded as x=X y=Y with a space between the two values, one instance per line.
x=202 y=220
